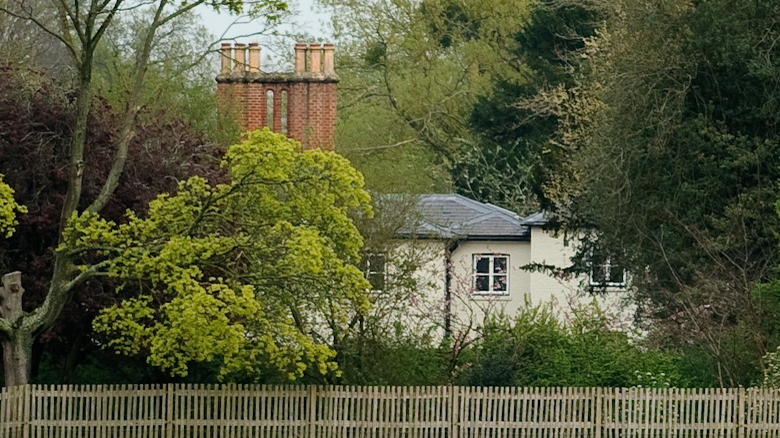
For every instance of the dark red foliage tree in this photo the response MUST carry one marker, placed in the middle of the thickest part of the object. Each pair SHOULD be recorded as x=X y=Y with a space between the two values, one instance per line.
x=36 y=116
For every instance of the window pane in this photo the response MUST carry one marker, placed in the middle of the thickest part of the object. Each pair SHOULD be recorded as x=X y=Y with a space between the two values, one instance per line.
x=483 y=264
x=482 y=283
x=616 y=275
x=499 y=265
x=377 y=280
x=499 y=283
x=598 y=275
x=284 y=111
x=376 y=262
x=269 y=105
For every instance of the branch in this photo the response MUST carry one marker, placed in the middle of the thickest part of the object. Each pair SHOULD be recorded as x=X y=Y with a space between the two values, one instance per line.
x=46 y=314
x=387 y=146
x=66 y=41
x=128 y=119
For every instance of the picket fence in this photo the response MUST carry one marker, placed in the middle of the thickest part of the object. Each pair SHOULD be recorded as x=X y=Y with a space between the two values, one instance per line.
x=202 y=411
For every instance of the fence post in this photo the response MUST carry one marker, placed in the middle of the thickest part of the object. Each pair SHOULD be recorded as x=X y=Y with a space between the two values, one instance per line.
x=27 y=414
x=169 y=410
x=312 y=411
x=741 y=410
x=597 y=424
x=454 y=420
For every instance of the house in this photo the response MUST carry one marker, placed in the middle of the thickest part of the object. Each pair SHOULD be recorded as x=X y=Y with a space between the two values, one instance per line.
x=478 y=258
x=468 y=258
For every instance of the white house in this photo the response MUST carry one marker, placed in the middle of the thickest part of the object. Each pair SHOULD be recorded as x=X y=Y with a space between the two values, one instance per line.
x=476 y=258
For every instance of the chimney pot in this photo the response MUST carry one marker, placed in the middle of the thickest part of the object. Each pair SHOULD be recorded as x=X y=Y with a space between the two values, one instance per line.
x=300 y=57
x=315 y=56
x=226 y=50
x=240 y=57
x=254 y=57
x=328 y=63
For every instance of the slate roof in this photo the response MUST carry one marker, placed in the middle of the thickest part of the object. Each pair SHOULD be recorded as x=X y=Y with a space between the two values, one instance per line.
x=455 y=216
x=536 y=220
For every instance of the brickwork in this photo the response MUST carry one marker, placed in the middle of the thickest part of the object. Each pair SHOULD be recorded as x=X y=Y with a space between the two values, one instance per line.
x=311 y=95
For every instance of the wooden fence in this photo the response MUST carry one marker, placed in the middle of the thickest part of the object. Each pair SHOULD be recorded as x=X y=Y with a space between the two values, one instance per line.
x=176 y=411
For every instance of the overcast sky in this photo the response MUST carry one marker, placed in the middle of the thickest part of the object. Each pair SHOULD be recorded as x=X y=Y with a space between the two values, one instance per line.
x=308 y=18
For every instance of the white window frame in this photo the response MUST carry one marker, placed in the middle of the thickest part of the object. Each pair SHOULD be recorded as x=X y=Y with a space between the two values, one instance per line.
x=491 y=275
x=608 y=266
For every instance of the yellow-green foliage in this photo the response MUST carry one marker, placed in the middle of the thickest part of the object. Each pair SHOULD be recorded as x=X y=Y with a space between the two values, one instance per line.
x=244 y=273
x=8 y=209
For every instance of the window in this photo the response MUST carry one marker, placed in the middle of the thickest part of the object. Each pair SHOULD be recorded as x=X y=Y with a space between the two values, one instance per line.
x=284 y=111
x=373 y=267
x=269 y=109
x=605 y=273
x=491 y=275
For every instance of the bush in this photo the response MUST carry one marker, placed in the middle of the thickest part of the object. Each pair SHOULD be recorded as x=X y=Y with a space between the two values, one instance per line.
x=535 y=348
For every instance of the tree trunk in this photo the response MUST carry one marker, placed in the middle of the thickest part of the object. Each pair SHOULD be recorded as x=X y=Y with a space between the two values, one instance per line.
x=16 y=339
x=17 y=357
x=72 y=360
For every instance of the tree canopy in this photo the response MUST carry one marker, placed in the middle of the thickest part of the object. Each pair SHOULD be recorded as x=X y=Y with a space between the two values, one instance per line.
x=255 y=272
x=80 y=28
x=666 y=150
x=410 y=75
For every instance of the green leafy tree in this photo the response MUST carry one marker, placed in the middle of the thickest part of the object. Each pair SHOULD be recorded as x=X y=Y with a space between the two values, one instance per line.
x=35 y=121
x=410 y=74
x=666 y=152
x=251 y=274
x=509 y=159
x=80 y=28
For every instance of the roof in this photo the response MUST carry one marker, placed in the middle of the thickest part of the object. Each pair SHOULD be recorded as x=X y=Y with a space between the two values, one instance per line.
x=536 y=220
x=455 y=216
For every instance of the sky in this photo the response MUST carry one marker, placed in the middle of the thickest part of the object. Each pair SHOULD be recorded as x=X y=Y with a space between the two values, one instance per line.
x=309 y=18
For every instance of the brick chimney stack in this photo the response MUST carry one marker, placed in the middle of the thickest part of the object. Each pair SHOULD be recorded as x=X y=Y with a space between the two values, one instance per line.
x=301 y=104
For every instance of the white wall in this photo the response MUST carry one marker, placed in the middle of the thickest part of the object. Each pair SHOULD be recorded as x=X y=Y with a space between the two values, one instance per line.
x=469 y=306
x=427 y=307
x=551 y=250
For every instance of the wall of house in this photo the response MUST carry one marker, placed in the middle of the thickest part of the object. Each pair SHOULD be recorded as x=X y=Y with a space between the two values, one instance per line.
x=414 y=294
x=472 y=307
x=427 y=307
x=553 y=250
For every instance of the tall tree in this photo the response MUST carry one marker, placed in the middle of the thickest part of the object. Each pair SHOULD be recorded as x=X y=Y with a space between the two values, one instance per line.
x=254 y=273
x=667 y=147
x=80 y=27
x=412 y=72
x=507 y=161
x=35 y=118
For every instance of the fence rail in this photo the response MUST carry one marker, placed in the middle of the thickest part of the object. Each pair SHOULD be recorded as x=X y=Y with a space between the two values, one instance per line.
x=202 y=411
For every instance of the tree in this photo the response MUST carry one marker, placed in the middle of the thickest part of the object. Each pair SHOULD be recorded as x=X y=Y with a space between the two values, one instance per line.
x=412 y=72
x=24 y=45
x=666 y=151
x=81 y=28
x=507 y=161
x=245 y=272
x=35 y=115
